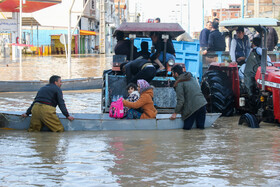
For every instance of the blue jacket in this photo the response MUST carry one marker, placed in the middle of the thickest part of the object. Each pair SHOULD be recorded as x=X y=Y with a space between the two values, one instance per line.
x=203 y=37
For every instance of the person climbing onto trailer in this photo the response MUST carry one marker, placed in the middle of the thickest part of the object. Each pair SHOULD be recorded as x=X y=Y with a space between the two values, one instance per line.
x=138 y=69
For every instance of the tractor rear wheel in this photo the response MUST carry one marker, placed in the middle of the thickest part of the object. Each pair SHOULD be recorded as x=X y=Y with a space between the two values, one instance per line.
x=216 y=87
x=250 y=120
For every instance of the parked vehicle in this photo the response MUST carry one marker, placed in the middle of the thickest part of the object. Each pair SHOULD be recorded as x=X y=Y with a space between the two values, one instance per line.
x=226 y=93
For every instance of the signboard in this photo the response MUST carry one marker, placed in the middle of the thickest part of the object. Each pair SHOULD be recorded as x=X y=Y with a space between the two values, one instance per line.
x=63 y=39
x=8 y=25
x=150 y=21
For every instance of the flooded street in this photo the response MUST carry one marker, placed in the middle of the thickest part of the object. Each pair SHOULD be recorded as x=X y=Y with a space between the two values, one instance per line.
x=230 y=155
x=226 y=155
x=81 y=101
x=42 y=67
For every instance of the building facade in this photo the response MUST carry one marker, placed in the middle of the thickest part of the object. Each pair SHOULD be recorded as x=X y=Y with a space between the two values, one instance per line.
x=262 y=8
x=232 y=12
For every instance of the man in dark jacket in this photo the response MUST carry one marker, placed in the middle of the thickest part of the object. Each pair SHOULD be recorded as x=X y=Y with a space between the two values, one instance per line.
x=138 y=69
x=190 y=100
x=216 y=41
x=272 y=39
x=204 y=35
x=43 y=108
x=123 y=47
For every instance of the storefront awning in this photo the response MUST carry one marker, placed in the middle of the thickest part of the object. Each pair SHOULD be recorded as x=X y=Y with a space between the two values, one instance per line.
x=84 y=32
x=28 y=7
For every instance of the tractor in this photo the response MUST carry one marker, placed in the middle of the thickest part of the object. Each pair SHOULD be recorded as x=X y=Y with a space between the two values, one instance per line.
x=227 y=93
x=114 y=82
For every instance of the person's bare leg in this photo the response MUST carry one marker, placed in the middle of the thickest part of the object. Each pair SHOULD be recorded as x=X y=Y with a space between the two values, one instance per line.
x=161 y=67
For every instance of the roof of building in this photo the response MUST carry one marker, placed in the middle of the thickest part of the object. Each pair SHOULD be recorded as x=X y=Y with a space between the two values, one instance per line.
x=28 y=7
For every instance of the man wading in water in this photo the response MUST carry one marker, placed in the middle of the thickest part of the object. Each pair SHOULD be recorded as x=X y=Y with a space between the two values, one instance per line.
x=43 y=108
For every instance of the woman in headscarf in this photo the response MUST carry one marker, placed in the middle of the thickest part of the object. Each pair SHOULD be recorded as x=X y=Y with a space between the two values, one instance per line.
x=145 y=102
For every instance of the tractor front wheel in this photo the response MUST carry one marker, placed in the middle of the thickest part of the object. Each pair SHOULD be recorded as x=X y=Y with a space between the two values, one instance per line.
x=250 y=120
x=216 y=87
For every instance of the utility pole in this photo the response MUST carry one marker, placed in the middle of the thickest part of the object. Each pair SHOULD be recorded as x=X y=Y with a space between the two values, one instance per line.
x=189 y=17
x=242 y=9
x=119 y=10
x=69 y=39
x=221 y=11
x=203 y=14
x=181 y=11
x=256 y=8
x=273 y=8
x=135 y=16
x=102 y=26
x=20 y=31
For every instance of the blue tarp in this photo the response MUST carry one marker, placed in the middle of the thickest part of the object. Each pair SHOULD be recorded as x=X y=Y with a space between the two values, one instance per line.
x=186 y=52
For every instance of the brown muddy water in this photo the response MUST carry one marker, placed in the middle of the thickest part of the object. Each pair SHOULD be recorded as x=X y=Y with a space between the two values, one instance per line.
x=225 y=155
x=42 y=67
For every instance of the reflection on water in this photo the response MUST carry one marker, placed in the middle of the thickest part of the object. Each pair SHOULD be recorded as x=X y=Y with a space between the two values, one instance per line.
x=228 y=156
x=82 y=101
x=41 y=68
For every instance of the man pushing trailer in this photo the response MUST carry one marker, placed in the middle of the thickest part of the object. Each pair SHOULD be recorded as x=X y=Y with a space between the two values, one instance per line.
x=43 y=108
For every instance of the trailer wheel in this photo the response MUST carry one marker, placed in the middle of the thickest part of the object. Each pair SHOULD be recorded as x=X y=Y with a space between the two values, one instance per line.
x=216 y=87
x=250 y=120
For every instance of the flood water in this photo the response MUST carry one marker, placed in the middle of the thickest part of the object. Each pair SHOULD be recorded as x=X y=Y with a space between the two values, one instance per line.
x=225 y=155
x=228 y=155
x=42 y=67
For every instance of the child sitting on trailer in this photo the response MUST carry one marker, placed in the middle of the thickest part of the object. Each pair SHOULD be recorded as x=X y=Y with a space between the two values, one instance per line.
x=133 y=95
x=133 y=92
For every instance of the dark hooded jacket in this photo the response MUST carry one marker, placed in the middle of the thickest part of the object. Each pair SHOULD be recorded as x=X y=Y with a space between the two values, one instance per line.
x=134 y=67
x=123 y=48
x=189 y=95
x=216 y=41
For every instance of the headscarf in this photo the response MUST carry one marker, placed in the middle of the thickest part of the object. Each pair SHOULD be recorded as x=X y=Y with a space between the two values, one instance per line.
x=144 y=85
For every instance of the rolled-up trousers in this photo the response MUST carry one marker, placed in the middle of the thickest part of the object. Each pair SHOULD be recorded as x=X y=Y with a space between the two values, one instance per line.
x=43 y=114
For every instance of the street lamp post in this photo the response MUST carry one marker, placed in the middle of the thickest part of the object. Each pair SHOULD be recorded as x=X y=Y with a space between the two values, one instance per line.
x=202 y=14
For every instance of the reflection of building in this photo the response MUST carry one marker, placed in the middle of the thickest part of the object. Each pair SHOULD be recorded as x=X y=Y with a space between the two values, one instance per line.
x=267 y=8
x=226 y=13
